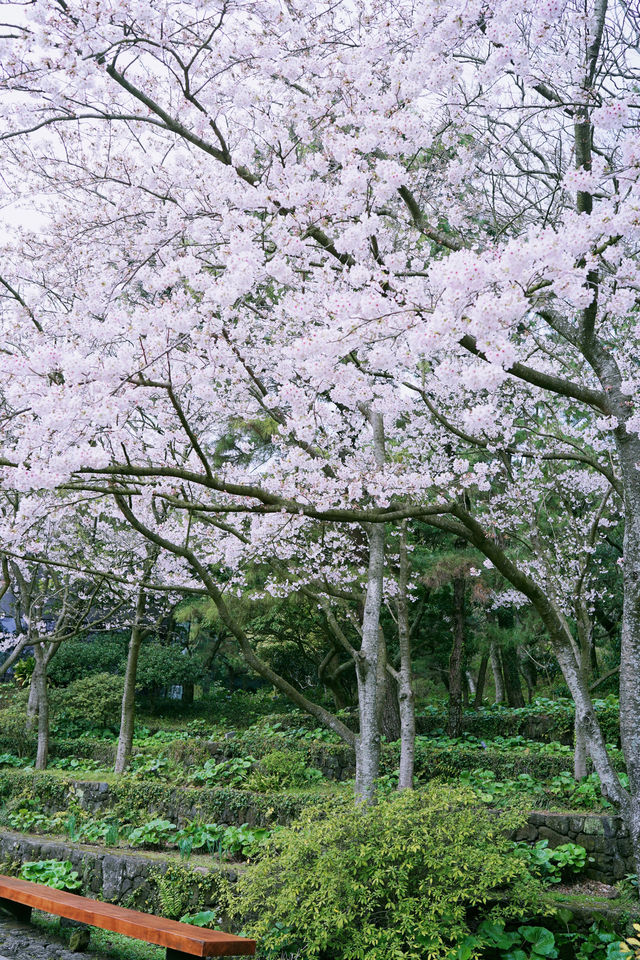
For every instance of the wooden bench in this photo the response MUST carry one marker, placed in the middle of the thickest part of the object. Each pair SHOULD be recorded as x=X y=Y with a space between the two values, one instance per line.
x=182 y=940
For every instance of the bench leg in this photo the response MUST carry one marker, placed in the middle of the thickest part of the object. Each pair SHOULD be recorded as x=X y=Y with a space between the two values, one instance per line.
x=178 y=955
x=18 y=910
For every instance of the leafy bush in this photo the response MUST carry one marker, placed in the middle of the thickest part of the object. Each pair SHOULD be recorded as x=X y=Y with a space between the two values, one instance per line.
x=195 y=836
x=155 y=833
x=76 y=659
x=401 y=879
x=9 y=760
x=75 y=763
x=91 y=831
x=91 y=703
x=54 y=873
x=553 y=866
x=27 y=820
x=244 y=840
x=234 y=771
x=282 y=768
x=166 y=666
x=156 y=768
x=582 y=795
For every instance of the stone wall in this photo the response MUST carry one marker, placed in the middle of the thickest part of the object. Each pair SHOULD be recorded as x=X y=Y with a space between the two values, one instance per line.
x=605 y=838
x=130 y=879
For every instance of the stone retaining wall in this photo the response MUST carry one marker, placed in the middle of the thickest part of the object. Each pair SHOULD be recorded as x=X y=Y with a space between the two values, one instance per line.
x=605 y=838
x=129 y=879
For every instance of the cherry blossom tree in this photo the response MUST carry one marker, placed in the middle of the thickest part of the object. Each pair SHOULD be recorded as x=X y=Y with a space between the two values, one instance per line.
x=384 y=235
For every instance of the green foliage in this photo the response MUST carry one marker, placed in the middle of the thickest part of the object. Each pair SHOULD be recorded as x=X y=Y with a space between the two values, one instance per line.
x=602 y=943
x=562 y=788
x=195 y=836
x=75 y=763
x=630 y=947
x=165 y=666
x=234 y=770
x=553 y=866
x=544 y=719
x=282 y=768
x=92 y=831
x=244 y=841
x=76 y=659
x=205 y=918
x=525 y=943
x=178 y=890
x=156 y=768
x=9 y=760
x=54 y=873
x=23 y=671
x=400 y=879
x=154 y=833
x=91 y=703
x=28 y=820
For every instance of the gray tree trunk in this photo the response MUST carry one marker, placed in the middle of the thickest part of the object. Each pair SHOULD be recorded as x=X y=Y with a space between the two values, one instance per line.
x=368 y=738
x=32 y=702
x=127 y=715
x=629 y=452
x=405 y=678
x=579 y=752
x=367 y=659
x=42 y=698
x=585 y=640
x=496 y=668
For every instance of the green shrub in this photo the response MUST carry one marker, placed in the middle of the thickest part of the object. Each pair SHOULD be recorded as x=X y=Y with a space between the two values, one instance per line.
x=166 y=666
x=76 y=659
x=91 y=703
x=282 y=768
x=14 y=737
x=406 y=878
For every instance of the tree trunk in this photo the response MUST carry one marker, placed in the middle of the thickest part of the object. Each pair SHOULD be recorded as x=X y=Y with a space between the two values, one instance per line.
x=32 y=702
x=629 y=451
x=579 y=752
x=482 y=678
x=405 y=679
x=511 y=670
x=42 y=698
x=454 y=724
x=368 y=738
x=496 y=667
x=127 y=714
x=566 y=654
x=585 y=635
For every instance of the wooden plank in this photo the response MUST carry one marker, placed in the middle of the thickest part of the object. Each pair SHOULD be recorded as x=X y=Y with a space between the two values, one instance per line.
x=183 y=937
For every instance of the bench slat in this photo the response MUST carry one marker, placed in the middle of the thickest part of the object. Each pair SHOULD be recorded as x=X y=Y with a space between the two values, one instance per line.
x=184 y=937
